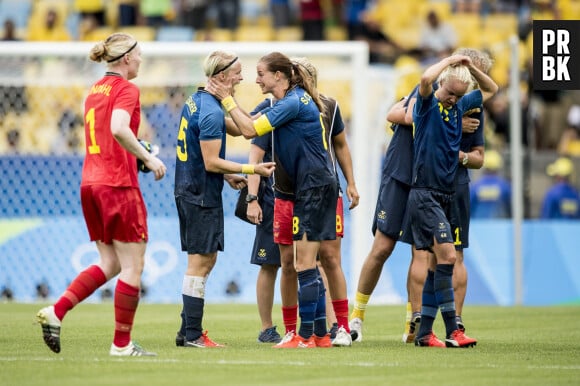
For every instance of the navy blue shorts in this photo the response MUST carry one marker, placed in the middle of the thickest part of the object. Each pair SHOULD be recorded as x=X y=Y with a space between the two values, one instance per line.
x=265 y=251
x=460 y=217
x=315 y=213
x=429 y=213
x=201 y=229
x=390 y=209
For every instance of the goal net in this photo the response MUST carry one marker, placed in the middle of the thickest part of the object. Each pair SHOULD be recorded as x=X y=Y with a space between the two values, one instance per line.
x=42 y=89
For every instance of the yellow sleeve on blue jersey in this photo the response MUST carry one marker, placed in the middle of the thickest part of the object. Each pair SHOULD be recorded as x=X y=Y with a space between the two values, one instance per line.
x=262 y=125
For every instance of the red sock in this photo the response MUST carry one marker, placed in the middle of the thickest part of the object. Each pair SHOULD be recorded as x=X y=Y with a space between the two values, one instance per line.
x=290 y=317
x=126 y=302
x=81 y=288
x=341 y=311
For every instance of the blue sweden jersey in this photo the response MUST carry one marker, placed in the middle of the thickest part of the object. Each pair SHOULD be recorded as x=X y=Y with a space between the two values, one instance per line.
x=399 y=157
x=280 y=181
x=299 y=140
x=202 y=119
x=437 y=140
x=468 y=142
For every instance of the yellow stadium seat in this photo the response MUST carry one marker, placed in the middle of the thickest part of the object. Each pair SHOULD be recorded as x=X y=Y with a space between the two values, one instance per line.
x=141 y=33
x=442 y=8
x=98 y=34
x=216 y=35
x=336 y=33
x=407 y=37
x=255 y=33
x=288 y=34
x=41 y=7
x=570 y=10
x=409 y=72
x=468 y=28
x=502 y=22
x=339 y=90
x=573 y=149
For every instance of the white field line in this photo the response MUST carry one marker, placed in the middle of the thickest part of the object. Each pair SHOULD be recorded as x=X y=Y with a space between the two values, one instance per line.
x=270 y=363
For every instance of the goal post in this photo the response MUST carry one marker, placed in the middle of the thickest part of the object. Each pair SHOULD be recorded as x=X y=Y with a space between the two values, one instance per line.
x=56 y=76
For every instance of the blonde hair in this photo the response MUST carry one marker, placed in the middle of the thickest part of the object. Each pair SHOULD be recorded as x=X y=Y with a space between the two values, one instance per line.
x=308 y=69
x=113 y=48
x=459 y=72
x=218 y=61
x=480 y=59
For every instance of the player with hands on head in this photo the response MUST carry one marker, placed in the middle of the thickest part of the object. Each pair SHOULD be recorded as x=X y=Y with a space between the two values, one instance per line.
x=111 y=199
x=200 y=171
x=437 y=116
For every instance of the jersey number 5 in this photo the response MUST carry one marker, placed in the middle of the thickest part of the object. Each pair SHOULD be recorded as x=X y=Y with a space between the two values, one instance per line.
x=181 y=142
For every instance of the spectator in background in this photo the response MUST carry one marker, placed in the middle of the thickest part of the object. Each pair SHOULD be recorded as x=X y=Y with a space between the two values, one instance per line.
x=382 y=48
x=9 y=31
x=562 y=200
x=354 y=16
x=438 y=39
x=282 y=14
x=13 y=141
x=228 y=14
x=12 y=98
x=128 y=12
x=193 y=13
x=312 y=20
x=91 y=9
x=491 y=194
x=52 y=29
x=572 y=133
x=157 y=13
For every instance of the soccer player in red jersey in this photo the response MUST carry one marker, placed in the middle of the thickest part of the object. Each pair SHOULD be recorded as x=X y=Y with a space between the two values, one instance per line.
x=111 y=199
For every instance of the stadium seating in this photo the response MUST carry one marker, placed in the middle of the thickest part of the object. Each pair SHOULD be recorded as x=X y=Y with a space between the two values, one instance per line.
x=17 y=10
x=142 y=33
x=288 y=34
x=175 y=33
x=254 y=33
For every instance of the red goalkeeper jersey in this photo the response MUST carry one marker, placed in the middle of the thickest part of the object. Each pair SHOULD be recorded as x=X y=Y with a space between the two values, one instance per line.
x=106 y=161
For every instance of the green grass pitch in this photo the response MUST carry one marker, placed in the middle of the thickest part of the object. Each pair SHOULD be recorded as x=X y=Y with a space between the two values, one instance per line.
x=517 y=346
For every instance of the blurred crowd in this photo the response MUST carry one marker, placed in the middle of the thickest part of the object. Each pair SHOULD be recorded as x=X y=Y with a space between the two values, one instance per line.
x=406 y=36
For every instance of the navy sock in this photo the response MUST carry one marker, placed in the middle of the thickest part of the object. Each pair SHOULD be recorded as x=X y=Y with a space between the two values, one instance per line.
x=445 y=296
x=193 y=310
x=307 y=301
x=428 y=307
x=320 y=328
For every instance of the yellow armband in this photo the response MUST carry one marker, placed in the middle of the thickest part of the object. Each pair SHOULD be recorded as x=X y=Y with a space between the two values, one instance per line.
x=262 y=125
x=229 y=103
x=247 y=169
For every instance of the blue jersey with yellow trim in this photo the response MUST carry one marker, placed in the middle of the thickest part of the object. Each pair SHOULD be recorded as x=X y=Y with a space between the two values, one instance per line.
x=399 y=157
x=334 y=125
x=202 y=119
x=437 y=139
x=468 y=142
x=300 y=140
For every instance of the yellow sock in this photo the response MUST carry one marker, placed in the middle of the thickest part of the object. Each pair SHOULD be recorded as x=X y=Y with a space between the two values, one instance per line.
x=408 y=317
x=360 y=305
